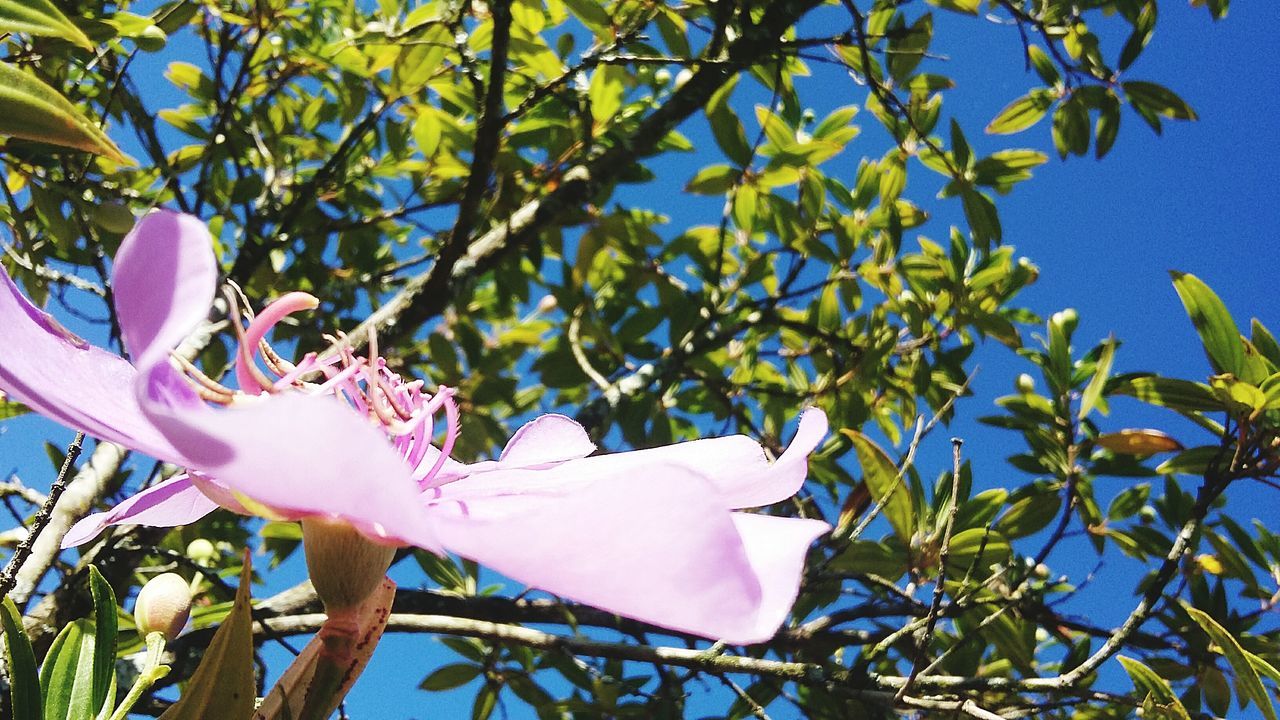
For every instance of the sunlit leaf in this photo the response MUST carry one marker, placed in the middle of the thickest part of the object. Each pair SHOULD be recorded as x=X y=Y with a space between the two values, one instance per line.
x=20 y=664
x=32 y=110
x=1021 y=113
x=886 y=487
x=1147 y=682
x=1218 y=332
x=1248 y=684
x=40 y=17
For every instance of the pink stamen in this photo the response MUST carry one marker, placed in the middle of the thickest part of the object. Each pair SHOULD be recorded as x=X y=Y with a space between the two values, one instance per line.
x=307 y=365
x=286 y=305
x=450 y=431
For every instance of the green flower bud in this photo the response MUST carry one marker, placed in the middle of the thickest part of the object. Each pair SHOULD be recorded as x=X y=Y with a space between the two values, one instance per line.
x=202 y=552
x=345 y=566
x=1025 y=384
x=163 y=606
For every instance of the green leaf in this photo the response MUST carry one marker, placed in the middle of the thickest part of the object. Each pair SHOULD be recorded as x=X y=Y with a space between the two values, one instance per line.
x=1043 y=65
x=32 y=110
x=1248 y=685
x=1108 y=125
x=714 y=180
x=450 y=676
x=104 y=646
x=222 y=687
x=20 y=662
x=968 y=7
x=1158 y=99
x=606 y=92
x=977 y=547
x=1218 y=332
x=885 y=485
x=10 y=408
x=486 y=701
x=871 y=558
x=67 y=677
x=592 y=14
x=1167 y=392
x=40 y=17
x=1143 y=28
x=1146 y=681
x=1021 y=113
x=1071 y=127
x=1029 y=515
x=1093 y=391
x=726 y=127
x=1194 y=461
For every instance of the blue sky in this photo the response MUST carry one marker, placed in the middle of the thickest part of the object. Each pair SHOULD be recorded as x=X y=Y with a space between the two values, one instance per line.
x=1204 y=198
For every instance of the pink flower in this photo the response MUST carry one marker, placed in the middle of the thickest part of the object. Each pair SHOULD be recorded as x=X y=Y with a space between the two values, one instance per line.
x=649 y=534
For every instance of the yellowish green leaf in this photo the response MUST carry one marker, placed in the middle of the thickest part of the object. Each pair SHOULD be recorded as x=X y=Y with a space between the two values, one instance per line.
x=32 y=110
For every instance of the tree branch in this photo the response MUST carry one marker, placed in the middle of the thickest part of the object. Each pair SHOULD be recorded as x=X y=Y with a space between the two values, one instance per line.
x=426 y=295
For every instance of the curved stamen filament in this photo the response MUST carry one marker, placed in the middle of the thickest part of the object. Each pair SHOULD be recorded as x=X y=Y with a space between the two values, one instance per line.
x=443 y=396
x=247 y=372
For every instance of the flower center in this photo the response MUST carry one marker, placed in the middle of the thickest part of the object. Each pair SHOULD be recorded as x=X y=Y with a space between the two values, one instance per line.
x=404 y=411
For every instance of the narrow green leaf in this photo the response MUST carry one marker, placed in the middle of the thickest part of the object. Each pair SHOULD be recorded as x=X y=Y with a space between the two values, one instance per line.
x=606 y=92
x=1029 y=515
x=1093 y=391
x=40 y=17
x=20 y=662
x=726 y=127
x=1021 y=113
x=1147 y=682
x=66 y=679
x=1043 y=65
x=222 y=687
x=10 y=408
x=450 y=676
x=1263 y=340
x=1167 y=392
x=1108 y=125
x=1218 y=332
x=979 y=547
x=104 y=647
x=1158 y=99
x=1248 y=685
x=1071 y=127
x=1194 y=461
x=32 y=110
x=714 y=180
x=882 y=479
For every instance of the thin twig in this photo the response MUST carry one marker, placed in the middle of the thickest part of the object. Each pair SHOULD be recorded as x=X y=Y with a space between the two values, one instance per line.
x=939 y=587
x=23 y=551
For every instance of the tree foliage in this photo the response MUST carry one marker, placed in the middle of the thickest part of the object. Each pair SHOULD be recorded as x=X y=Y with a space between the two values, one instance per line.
x=470 y=186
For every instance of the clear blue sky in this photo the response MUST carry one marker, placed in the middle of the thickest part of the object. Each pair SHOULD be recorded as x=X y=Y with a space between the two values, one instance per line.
x=1203 y=198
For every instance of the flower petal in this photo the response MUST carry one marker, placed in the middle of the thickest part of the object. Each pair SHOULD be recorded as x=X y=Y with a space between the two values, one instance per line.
x=173 y=502
x=736 y=466
x=297 y=455
x=776 y=548
x=164 y=279
x=663 y=550
x=546 y=439
x=65 y=379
